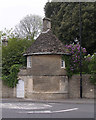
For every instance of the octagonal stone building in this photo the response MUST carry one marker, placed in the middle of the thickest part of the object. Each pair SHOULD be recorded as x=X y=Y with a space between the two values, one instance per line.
x=45 y=75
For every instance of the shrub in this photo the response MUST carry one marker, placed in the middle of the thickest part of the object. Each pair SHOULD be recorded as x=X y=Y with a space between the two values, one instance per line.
x=12 y=79
x=89 y=66
x=92 y=68
x=86 y=62
x=73 y=66
x=12 y=56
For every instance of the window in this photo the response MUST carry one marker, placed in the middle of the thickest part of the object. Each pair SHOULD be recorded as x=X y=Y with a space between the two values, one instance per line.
x=29 y=64
x=62 y=64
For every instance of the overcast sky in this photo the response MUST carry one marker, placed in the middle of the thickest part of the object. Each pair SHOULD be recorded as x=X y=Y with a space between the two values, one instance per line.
x=12 y=11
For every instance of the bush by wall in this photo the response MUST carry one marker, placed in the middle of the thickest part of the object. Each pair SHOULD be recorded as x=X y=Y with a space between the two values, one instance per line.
x=73 y=62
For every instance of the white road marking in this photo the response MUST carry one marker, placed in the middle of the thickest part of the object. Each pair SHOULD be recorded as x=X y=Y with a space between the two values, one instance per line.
x=38 y=112
x=67 y=110
x=34 y=107
x=31 y=112
x=25 y=106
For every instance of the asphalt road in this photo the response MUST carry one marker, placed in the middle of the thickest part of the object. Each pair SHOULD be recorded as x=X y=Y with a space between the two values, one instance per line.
x=19 y=109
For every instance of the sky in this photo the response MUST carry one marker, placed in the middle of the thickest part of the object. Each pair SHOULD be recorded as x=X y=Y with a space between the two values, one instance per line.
x=12 y=11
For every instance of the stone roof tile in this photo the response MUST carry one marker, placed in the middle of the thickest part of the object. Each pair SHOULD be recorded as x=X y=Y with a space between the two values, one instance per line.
x=47 y=43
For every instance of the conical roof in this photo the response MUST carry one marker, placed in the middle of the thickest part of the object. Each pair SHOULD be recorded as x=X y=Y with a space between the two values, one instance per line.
x=47 y=43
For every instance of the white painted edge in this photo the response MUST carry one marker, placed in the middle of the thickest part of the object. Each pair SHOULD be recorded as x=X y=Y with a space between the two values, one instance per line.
x=46 y=31
x=44 y=53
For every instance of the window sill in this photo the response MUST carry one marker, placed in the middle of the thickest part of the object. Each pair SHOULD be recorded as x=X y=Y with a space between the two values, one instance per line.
x=63 y=68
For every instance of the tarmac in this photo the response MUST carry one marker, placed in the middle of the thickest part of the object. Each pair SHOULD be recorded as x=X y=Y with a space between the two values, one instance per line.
x=73 y=101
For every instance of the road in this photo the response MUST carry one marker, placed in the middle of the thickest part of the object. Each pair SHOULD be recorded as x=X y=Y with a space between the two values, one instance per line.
x=28 y=109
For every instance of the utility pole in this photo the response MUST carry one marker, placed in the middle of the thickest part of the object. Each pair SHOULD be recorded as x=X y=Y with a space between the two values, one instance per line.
x=80 y=32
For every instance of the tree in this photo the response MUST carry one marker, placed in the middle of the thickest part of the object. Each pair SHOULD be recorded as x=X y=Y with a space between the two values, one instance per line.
x=65 y=22
x=7 y=33
x=12 y=58
x=29 y=27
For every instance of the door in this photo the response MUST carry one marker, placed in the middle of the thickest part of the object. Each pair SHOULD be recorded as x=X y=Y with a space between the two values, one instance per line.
x=20 y=89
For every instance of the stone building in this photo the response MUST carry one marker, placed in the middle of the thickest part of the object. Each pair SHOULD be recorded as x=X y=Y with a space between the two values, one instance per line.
x=45 y=75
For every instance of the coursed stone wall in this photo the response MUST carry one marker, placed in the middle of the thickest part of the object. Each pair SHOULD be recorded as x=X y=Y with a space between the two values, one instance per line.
x=7 y=92
x=46 y=79
x=46 y=65
x=45 y=87
x=74 y=87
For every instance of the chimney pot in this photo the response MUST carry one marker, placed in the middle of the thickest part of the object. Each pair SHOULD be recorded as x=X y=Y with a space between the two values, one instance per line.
x=46 y=24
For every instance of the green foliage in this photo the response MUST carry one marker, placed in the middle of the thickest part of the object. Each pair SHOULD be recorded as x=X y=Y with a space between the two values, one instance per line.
x=89 y=67
x=73 y=62
x=67 y=64
x=92 y=68
x=85 y=68
x=11 y=56
x=65 y=22
x=92 y=65
x=12 y=79
x=13 y=53
x=93 y=78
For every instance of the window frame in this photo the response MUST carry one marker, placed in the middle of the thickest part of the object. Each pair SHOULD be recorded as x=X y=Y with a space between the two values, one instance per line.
x=29 y=61
x=62 y=63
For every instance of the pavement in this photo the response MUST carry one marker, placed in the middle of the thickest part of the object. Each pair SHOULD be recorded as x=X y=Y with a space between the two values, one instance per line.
x=76 y=101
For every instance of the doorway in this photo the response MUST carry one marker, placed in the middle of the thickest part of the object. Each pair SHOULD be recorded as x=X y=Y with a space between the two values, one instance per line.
x=20 y=89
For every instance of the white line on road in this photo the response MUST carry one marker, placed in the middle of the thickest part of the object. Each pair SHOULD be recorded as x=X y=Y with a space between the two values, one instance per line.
x=31 y=112
x=25 y=106
x=67 y=110
x=34 y=106
x=38 y=112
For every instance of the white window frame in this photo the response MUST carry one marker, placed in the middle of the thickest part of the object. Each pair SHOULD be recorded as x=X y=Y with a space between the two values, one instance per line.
x=62 y=63
x=29 y=62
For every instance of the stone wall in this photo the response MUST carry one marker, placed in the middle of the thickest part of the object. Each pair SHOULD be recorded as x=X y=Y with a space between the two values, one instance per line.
x=28 y=85
x=50 y=83
x=46 y=79
x=74 y=87
x=47 y=96
x=45 y=87
x=51 y=87
x=47 y=65
x=7 y=92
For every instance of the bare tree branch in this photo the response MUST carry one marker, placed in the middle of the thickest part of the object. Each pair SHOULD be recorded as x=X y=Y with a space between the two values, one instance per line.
x=30 y=26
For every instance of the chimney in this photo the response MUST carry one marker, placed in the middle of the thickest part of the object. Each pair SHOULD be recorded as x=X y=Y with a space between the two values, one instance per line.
x=46 y=24
x=4 y=41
